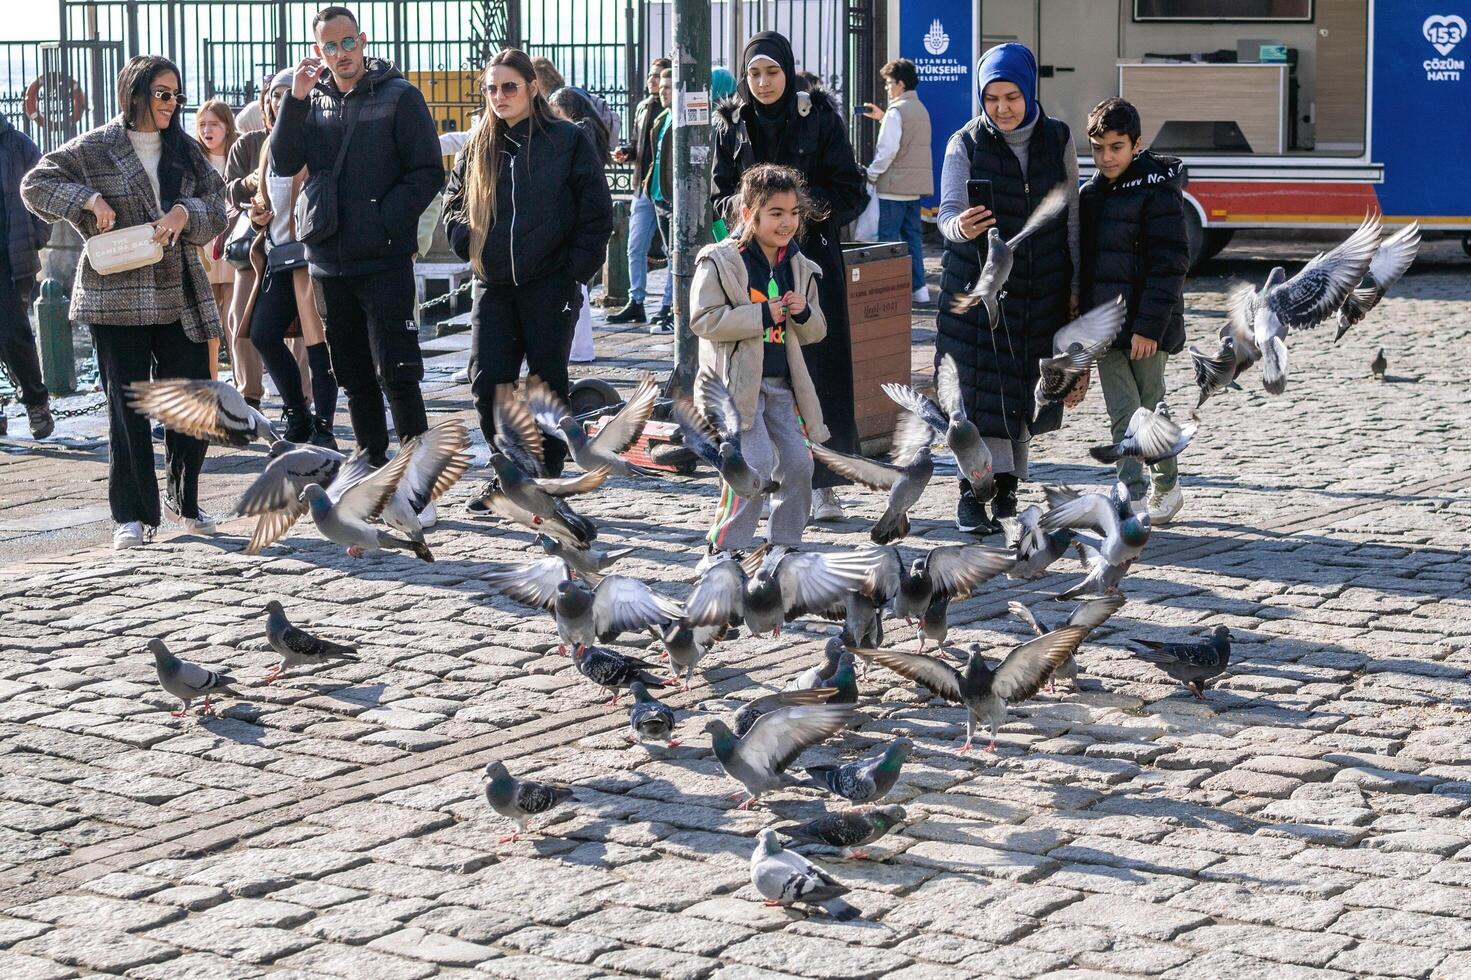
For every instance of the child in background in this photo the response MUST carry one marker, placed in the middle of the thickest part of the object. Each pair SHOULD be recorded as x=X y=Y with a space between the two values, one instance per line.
x=1133 y=245
x=754 y=304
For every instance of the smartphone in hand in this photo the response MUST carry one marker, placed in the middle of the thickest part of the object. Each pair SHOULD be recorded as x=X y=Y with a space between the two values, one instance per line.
x=979 y=194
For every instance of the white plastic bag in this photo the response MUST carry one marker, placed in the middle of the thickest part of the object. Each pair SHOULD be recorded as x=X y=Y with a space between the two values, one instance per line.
x=866 y=228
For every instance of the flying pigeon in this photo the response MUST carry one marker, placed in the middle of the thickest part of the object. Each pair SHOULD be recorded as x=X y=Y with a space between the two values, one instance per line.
x=437 y=460
x=712 y=431
x=1236 y=350
x=800 y=583
x=297 y=647
x=984 y=691
x=1122 y=532
x=356 y=497
x=1075 y=348
x=1192 y=664
x=584 y=615
x=613 y=671
x=946 y=573
x=520 y=799
x=758 y=761
x=1316 y=293
x=784 y=877
x=1152 y=437
x=649 y=718
x=1036 y=549
x=187 y=681
x=210 y=410
x=903 y=480
x=948 y=418
x=867 y=780
x=1092 y=614
x=848 y=829
x=601 y=451
x=275 y=497
x=1000 y=254
x=1393 y=257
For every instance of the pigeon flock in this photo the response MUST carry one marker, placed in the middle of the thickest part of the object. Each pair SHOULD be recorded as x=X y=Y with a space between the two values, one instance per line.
x=370 y=510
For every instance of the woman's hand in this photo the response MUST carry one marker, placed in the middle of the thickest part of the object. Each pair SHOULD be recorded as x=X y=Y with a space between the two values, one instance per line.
x=975 y=220
x=251 y=181
x=871 y=111
x=777 y=307
x=795 y=301
x=167 y=229
x=260 y=215
x=1074 y=397
x=103 y=212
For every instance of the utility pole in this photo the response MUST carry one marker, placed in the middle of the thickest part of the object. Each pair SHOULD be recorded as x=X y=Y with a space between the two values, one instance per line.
x=692 y=213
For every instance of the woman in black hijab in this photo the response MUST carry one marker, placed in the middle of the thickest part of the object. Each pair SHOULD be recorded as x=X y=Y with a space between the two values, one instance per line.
x=775 y=118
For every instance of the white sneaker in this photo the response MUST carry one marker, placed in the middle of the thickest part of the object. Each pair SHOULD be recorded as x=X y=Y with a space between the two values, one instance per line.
x=128 y=534
x=1164 y=506
x=429 y=516
x=825 y=505
x=708 y=560
x=462 y=376
x=922 y=294
x=205 y=523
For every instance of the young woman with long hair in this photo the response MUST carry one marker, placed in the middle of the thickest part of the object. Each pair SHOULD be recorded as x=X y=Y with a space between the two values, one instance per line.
x=214 y=129
x=528 y=206
x=141 y=168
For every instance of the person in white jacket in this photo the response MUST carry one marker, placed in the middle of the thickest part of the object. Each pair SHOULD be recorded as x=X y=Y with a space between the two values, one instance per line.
x=903 y=170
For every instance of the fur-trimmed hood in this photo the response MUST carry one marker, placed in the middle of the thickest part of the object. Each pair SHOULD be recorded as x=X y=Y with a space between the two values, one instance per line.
x=808 y=100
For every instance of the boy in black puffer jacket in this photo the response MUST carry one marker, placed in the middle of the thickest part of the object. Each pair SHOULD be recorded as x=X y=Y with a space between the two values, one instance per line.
x=1133 y=244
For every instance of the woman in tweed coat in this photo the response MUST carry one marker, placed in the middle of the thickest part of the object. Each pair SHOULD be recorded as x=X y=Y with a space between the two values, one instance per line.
x=142 y=168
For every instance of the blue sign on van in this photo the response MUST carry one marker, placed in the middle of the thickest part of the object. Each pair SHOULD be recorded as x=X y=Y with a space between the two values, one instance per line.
x=937 y=36
x=1421 y=129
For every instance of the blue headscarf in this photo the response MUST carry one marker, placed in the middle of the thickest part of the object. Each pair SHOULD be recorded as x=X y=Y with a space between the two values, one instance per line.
x=722 y=84
x=1013 y=63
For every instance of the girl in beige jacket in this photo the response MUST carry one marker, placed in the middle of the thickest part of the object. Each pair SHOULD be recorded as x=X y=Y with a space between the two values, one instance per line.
x=754 y=305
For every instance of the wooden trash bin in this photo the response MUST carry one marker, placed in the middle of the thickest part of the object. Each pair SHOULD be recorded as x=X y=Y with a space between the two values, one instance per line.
x=879 y=306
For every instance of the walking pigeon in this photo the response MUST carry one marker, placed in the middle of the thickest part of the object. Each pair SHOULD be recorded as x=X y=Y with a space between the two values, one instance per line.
x=297 y=647
x=848 y=829
x=784 y=877
x=520 y=799
x=866 y=780
x=1192 y=664
x=613 y=671
x=187 y=681
x=650 y=718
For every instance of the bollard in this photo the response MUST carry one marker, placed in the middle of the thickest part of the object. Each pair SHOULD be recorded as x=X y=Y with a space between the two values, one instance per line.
x=615 y=275
x=58 y=360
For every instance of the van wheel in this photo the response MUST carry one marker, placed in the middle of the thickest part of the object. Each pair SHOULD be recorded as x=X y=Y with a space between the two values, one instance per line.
x=1216 y=239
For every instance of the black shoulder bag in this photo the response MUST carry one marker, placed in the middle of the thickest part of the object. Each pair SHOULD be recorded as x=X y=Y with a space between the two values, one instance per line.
x=316 y=207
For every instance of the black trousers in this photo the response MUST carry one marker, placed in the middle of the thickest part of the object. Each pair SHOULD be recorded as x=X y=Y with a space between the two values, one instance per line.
x=17 y=339
x=374 y=340
x=275 y=308
x=128 y=354
x=534 y=321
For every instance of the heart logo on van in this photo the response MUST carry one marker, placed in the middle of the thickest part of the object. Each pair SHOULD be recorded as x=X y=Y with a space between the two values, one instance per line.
x=1444 y=32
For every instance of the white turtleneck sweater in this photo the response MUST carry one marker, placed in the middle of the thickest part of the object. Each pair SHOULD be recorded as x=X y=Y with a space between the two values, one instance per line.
x=149 y=148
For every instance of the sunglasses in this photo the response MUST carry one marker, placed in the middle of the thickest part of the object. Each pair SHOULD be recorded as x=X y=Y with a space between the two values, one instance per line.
x=508 y=89
x=348 y=44
x=165 y=96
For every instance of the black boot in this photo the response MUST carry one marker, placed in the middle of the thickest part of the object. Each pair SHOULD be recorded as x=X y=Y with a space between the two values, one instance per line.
x=1004 y=504
x=322 y=433
x=633 y=312
x=970 y=514
x=297 y=423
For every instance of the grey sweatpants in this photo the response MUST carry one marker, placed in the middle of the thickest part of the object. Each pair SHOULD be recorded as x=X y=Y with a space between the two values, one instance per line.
x=774 y=446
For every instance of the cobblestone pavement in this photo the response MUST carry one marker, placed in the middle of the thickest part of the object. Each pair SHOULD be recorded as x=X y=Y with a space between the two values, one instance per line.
x=1308 y=820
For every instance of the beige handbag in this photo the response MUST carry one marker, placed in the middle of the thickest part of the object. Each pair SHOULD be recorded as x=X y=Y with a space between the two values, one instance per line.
x=122 y=250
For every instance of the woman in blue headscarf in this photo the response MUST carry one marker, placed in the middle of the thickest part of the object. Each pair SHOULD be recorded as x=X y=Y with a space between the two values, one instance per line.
x=1024 y=154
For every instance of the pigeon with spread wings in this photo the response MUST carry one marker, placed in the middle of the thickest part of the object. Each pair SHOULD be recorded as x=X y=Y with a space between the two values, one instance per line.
x=904 y=480
x=601 y=451
x=947 y=417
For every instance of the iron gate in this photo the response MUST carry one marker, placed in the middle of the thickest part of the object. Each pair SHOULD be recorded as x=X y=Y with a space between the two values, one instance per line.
x=226 y=49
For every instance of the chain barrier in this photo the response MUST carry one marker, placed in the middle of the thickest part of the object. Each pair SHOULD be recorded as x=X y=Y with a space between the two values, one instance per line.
x=56 y=413
x=448 y=297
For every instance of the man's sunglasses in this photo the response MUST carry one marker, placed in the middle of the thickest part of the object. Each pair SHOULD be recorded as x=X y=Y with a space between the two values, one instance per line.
x=348 y=44
x=508 y=89
x=165 y=96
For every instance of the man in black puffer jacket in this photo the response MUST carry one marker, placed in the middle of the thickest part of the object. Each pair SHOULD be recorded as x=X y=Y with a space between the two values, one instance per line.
x=1133 y=245
x=364 y=272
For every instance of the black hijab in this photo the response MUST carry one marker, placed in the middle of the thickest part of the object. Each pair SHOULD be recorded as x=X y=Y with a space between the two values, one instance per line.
x=770 y=119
